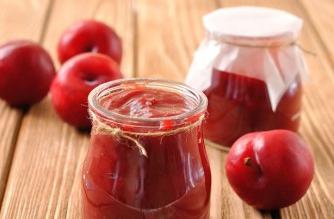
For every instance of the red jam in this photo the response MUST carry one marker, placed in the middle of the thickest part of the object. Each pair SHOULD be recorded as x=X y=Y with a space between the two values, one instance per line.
x=173 y=181
x=239 y=105
x=147 y=103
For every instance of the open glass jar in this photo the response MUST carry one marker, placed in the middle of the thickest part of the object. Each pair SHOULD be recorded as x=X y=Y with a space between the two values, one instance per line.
x=147 y=157
x=251 y=70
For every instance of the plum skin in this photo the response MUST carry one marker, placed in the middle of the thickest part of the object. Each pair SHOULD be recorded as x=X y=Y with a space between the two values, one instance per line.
x=26 y=72
x=74 y=81
x=271 y=169
x=89 y=36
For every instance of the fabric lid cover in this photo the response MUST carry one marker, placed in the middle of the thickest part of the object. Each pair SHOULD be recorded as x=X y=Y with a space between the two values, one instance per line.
x=252 y=23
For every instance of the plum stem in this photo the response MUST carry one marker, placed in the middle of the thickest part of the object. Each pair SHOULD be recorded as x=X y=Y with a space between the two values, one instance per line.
x=249 y=163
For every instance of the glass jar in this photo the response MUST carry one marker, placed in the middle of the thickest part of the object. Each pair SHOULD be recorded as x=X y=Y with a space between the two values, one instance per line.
x=251 y=69
x=147 y=157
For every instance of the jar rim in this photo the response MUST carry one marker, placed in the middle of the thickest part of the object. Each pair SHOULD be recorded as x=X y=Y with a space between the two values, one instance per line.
x=180 y=119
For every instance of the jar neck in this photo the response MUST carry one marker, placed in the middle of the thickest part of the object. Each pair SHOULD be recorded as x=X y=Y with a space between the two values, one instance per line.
x=104 y=118
x=283 y=40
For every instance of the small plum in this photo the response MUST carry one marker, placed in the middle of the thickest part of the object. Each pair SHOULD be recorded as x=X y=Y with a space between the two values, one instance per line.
x=74 y=81
x=89 y=36
x=271 y=169
x=26 y=72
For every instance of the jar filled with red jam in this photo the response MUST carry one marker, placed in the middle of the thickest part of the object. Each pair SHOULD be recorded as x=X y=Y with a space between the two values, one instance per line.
x=147 y=157
x=251 y=69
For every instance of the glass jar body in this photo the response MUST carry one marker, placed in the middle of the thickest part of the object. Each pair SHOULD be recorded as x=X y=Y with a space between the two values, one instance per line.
x=173 y=181
x=239 y=104
x=251 y=71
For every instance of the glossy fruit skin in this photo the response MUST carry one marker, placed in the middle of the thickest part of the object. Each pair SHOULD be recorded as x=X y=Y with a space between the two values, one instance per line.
x=89 y=36
x=26 y=72
x=271 y=169
x=75 y=79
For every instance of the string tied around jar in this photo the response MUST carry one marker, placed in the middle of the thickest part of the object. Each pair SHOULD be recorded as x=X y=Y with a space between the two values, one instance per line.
x=100 y=127
x=257 y=43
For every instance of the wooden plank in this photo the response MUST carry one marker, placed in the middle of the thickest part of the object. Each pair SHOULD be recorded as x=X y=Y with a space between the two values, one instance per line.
x=165 y=51
x=175 y=30
x=321 y=14
x=18 y=20
x=317 y=118
x=46 y=172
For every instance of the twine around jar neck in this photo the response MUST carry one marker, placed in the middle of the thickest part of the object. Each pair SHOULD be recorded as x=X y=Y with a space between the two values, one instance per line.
x=100 y=127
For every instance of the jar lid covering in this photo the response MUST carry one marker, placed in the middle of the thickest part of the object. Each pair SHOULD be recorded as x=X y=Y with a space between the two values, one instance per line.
x=253 y=24
x=250 y=41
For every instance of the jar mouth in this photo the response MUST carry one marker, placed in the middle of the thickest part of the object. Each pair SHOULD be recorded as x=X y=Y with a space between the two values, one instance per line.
x=198 y=98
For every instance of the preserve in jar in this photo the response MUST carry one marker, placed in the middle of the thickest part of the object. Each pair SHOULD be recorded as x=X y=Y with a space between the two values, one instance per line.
x=251 y=69
x=147 y=157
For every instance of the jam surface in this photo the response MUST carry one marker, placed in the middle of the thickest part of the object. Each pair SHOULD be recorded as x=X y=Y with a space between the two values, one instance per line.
x=173 y=181
x=238 y=105
x=147 y=103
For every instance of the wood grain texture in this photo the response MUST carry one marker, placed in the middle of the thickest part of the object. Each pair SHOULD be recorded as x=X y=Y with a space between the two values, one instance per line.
x=321 y=14
x=166 y=52
x=168 y=33
x=20 y=20
x=317 y=119
x=159 y=39
x=45 y=178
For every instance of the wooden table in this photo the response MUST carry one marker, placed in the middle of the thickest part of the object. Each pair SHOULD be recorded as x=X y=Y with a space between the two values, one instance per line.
x=40 y=156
